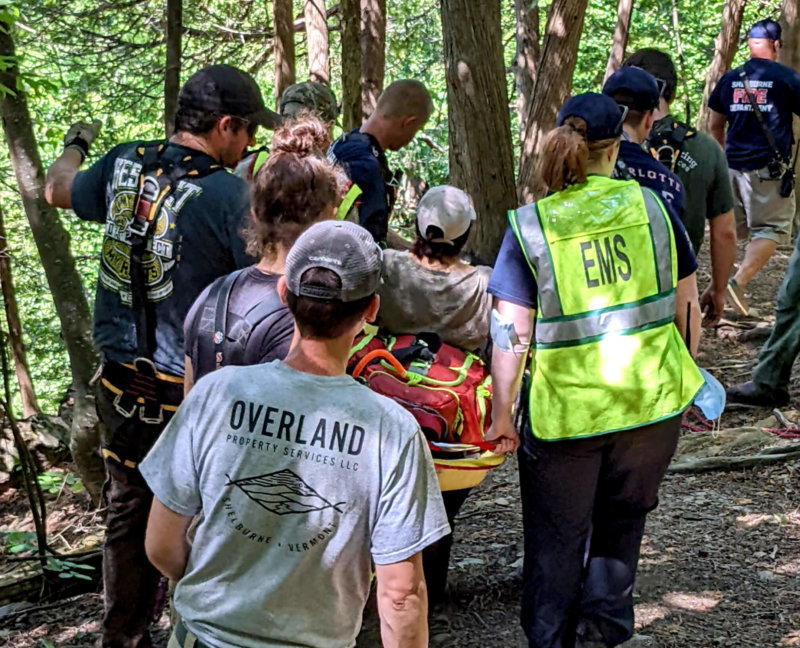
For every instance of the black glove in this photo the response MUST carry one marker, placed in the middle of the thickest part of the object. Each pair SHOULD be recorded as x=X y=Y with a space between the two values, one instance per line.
x=80 y=135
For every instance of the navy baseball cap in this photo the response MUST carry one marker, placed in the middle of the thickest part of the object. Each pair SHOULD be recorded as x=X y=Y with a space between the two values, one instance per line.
x=603 y=116
x=642 y=86
x=766 y=28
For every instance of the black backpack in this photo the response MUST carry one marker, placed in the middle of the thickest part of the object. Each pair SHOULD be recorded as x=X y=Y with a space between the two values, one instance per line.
x=227 y=343
x=665 y=142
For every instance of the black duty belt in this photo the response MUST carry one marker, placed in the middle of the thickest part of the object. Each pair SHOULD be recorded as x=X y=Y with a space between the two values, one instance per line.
x=141 y=387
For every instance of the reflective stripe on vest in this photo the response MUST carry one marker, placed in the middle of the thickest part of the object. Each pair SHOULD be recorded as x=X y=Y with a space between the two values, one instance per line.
x=607 y=356
x=555 y=328
x=625 y=319
x=349 y=200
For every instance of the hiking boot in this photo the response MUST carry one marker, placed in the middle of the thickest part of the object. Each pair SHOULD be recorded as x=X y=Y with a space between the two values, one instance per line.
x=737 y=299
x=749 y=393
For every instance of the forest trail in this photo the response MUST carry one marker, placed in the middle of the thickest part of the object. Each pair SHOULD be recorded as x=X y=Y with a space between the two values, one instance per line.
x=720 y=563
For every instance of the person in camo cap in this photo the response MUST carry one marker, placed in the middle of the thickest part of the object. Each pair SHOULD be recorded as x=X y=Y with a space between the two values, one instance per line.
x=309 y=98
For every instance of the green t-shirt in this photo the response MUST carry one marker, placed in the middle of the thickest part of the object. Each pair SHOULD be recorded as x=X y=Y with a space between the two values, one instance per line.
x=703 y=169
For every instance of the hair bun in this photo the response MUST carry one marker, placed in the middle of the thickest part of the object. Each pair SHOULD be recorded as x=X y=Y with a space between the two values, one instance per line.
x=302 y=138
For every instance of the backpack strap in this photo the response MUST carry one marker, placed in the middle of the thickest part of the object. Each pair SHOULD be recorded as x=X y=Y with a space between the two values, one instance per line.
x=221 y=303
x=157 y=182
x=666 y=143
x=214 y=351
x=261 y=311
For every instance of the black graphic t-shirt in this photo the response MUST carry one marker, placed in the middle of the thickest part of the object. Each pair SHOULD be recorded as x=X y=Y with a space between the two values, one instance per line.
x=196 y=238
x=777 y=93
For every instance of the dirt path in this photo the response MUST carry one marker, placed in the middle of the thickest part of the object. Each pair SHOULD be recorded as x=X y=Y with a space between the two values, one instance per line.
x=720 y=562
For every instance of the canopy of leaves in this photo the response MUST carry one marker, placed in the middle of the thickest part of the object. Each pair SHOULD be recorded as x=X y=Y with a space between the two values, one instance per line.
x=105 y=60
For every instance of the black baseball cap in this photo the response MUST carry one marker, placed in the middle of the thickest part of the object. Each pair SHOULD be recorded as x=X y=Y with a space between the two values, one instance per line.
x=603 y=116
x=766 y=28
x=642 y=86
x=227 y=90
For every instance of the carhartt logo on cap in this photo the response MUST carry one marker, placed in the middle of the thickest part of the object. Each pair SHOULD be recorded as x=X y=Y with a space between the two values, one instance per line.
x=345 y=249
x=325 y=259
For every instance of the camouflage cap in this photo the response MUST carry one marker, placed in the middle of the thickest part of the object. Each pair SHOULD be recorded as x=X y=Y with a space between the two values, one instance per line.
x=311 y=96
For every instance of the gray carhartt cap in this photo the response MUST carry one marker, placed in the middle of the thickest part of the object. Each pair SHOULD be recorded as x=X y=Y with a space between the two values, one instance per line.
x=311 y=96
x=344 y=248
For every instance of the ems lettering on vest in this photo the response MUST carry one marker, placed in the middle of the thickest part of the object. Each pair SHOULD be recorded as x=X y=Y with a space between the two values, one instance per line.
x=605 y=261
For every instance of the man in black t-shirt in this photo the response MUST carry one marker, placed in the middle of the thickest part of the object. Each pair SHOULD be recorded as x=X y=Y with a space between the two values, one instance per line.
x=402 y=110
x=160 y=249
x=755 y=165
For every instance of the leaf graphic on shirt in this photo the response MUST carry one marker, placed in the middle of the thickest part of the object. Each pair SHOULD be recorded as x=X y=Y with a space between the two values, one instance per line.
x=283 y=493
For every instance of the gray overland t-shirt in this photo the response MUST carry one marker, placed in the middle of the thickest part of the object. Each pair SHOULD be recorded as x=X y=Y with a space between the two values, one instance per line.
x=300 y=479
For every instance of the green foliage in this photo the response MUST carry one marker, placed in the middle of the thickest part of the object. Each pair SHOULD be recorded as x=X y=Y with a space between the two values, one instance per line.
x=16 y=542
x=85 y=60
x=68 y=569
x=55 y=482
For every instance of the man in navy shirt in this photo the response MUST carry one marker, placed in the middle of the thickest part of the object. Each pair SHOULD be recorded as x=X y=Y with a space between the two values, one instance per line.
x=149 y=276
x=639 y=92
x=755 y=165
x=402 y=110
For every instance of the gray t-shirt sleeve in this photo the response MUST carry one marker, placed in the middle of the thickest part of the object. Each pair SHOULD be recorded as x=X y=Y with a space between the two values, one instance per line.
x=169 y=468
x=410 y=513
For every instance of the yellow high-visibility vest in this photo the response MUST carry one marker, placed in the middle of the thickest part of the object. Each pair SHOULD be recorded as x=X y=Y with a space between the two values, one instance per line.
x=607 y=355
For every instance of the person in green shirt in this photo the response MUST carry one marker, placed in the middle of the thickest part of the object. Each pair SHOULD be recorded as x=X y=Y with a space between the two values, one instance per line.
x=699 y=161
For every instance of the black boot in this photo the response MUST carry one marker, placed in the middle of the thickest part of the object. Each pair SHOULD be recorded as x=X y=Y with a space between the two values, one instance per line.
x=749 y=393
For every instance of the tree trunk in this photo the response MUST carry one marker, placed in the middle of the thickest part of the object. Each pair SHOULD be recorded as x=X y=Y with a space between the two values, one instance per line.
x=481 y=153
x=552 y=87
x=27 y=395
x=725 y=45
x=319 y=68
x=617 y=55
x=52 y=242
x=351 y=64
x=527 y=56
x=789 y=55
x=284 y=46
x=172 y=72
x=373 y=54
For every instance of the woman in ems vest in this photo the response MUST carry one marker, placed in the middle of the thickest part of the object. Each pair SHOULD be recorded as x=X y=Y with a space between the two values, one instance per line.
x=597 y=283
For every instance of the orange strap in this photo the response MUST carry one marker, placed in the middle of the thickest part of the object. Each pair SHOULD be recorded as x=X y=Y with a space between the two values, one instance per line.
x=379 y=353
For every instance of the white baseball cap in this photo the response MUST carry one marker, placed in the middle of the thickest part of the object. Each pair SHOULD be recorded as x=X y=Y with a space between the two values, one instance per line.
x=447 y=208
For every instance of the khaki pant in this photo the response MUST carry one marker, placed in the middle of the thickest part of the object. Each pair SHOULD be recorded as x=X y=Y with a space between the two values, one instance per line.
x=759 y=208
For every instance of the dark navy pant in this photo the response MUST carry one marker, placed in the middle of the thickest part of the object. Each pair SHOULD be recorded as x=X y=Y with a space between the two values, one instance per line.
x=584 y=504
